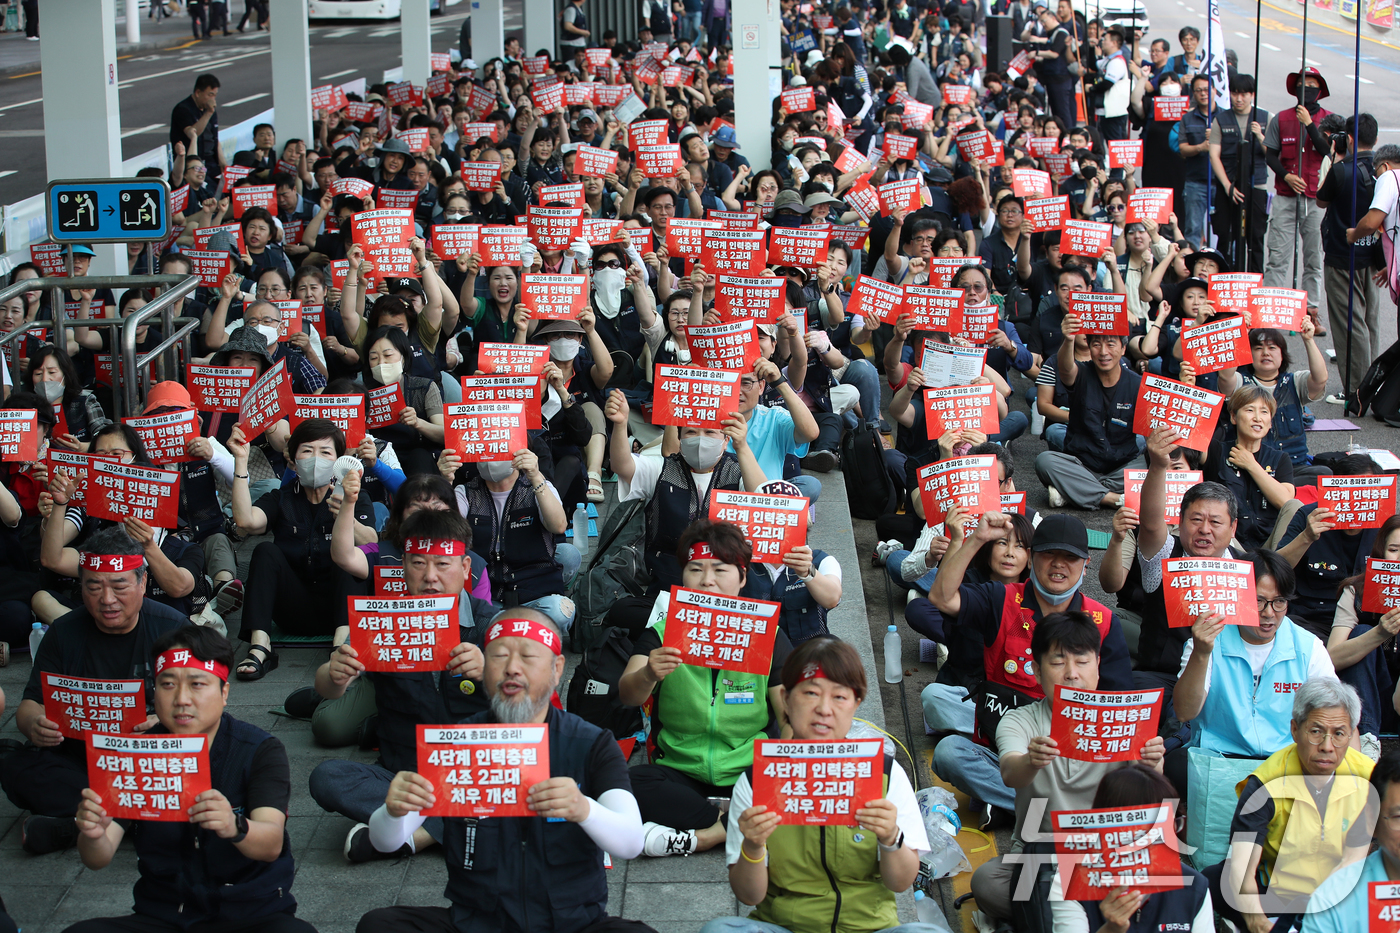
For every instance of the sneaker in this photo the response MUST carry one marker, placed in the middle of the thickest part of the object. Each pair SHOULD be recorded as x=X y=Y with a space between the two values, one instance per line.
x=991 y=819
x=1057 y=498
x=227 y=597
x=359 y=849
x=1371 y=746
x=1330 y=353
x=1336 y=398
x=659 y=841
x=942 y=656
x=819 y=461
x=912 y=595
x=883 y=550
x=719 y=803
x=40 y=835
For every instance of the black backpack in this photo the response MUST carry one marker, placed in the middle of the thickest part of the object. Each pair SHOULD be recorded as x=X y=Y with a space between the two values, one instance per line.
x=593 y=691
x=616 y=569
x=1380 y=387
x=869 y=488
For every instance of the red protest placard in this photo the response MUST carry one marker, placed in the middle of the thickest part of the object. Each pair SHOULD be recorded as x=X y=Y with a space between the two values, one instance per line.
x=535 y=64
x=1099 y=727
x=875 y=300
x=1129 y=847
x=1048 y=213
x=1217 y=344
x=960 y=94
x=739 y=221
x=328 y=97
x=941 y=269
x=1382 y=897
x=347 y=412
x=481 y=176
x=475 y=132
x=354 y=187
x=817 y=783
x=1099 y=313
x=961 y=408
x=863 y=199
x=1124 y=153
x=1154 y=204
x=19 y=435
x=481 y=771
x=1086 y=238
x=49 y=257
x=976 y=144
x=506 y=388
x=236 y=173
x=547 y=98
x=417 y=140
x=802 y=247
x=80 y=706
x=686 y=237
x=1380 y=591
x=1282 y=308
x=246 y=196
x=165 y=436
x=1357 y=501
x=1191 y=410
x=1229 y=291
x=721 y=632
x=897 y=146
x=648 y=132
x=179 y=200
x=1177 y=482
x=600 y=230
x=851 y=159
x=315 y=317
x=77 y=465
x=1030 y=183
x=211 y=267
x=218 y=388
x=404 y=94
x=774 y=525
x=933 y=308
x=267 y=401
x=389 y=581
x=1020 y=64
x=384 y=236
x=382 y=405
x=554 y=228
x=799 y=100
x=1170 y=109
x=361 y=112
x=452 y=240
x=976 y=324
x=1013 y=502
x=554 y=297
x=118 y=491
x=289 y=323
x=1196 y=587
x=486 y=431
x=660 y=161
x=398 y=636
x=1042 y=146
x=1058 y=164
x=500 y=246
x=690 y=397
x=153 y=777
x=970 y=483
x=761 y=299
x=901 y=195
x=677 y=76
x=733 y=251
x=592 y=162
x=727 y=345
x=598 y=58
x=512 y=358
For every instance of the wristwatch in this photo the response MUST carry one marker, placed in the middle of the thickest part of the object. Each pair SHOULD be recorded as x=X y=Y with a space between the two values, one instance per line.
x=780 y=379
x=240 y=823
x=898 y=843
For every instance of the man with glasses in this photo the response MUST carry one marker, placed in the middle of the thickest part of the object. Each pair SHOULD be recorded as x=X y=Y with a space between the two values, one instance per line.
x=1304 y=814
x=1191 y=140
x=1007 y=252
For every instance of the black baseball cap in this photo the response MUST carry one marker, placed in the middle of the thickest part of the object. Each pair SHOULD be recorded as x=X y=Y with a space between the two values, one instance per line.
x=1061 y=533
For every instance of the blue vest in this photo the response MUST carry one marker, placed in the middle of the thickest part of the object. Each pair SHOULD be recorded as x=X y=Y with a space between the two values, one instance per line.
x=1241 y=719
x=801 y=617
x=1287 y=432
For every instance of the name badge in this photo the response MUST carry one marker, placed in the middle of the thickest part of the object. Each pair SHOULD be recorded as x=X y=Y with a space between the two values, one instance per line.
x=746 y=697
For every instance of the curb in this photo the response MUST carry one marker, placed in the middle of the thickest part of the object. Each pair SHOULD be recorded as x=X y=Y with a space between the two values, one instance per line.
x=123 y=50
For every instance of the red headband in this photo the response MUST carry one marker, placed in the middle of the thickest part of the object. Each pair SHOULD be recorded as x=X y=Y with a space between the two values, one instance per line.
x=524 y=628
x=111 y=563
x=810 y=670
x=700 y=550
x=446 y=547
x=183 y=657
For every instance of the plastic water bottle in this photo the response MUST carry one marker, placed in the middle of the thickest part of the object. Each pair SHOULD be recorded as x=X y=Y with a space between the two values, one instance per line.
x=36 y=635
x=894 y=657
x=926 y=910
x=581 y=529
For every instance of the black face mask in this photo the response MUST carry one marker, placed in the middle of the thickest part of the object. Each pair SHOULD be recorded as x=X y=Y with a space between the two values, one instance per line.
x=892 y=127
x=1310 y=97
x=1088 y=171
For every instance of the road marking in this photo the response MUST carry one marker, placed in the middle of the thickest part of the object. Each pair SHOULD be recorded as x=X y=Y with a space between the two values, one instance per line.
x=6 y=172
x=1362 y=80
x=1313 y=63
x=1244 y=35
x=23 y=103
x=1271 y=48
x=143 y=129
x=385 y=33
x=339 y=34
x=20 y=134
x=244 y=100
x=1349 y=33
x=339 y=74
x=195 y=67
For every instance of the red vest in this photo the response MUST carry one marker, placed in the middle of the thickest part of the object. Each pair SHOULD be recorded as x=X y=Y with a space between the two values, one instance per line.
x=1289 y=131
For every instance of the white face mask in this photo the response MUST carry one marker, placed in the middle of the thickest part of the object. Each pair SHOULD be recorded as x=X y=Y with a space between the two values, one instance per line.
x=315 y=472
x=270 y=333
x=702 y=452
x=607 y=291
x=387 y=373
x=454 y=218
x=51 y=392
x=495 y=471
x=563 y=349
x=1169 y=90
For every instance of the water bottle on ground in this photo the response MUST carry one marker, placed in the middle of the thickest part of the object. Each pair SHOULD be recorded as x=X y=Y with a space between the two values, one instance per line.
x=36 y=635
x=894 y=656
x=581 y=529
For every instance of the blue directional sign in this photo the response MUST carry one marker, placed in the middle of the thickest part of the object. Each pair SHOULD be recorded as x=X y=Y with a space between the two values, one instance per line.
x=108 y=210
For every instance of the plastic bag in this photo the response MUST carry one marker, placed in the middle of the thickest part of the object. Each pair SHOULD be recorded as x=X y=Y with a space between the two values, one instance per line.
x=945 y=857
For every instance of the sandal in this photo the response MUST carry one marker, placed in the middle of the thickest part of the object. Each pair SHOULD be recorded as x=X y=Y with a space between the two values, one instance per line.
x=261 y=666
x=595 y=487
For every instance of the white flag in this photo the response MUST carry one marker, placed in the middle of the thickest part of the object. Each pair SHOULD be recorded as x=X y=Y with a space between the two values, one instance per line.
x=1212 y=53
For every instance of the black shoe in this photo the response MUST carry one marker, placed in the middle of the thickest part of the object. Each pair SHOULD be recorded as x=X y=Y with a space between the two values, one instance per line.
x=358 y=849
x=819 y=461
x=995 y=818
x=301 y=704
x=40 y=835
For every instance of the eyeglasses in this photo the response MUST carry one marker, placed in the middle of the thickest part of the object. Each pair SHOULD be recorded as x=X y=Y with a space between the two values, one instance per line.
x=1117 y=207
x=608 y=264
x=269 y=291
x=1316 y=734
x=1279 y=605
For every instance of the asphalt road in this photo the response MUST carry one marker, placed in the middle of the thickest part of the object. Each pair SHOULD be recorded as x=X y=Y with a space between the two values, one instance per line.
x=152 y=83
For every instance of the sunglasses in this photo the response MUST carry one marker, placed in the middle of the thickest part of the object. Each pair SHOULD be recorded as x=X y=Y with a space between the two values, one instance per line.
x=609 y=264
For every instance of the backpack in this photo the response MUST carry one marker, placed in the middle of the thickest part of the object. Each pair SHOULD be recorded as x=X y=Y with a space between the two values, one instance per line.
x=616 y=569
x=593 y=690
x=869 y=488
x=1380 y=387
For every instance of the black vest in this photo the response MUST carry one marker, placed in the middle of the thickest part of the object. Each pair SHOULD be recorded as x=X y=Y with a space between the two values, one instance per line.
x=674 y=505
x=519 y=550
x=191 y=876
x=623 y=332
x=1159 y=647
x=1233 y=156
x=801 y=617
x=522 y=874
x=415 y=396
x=199 y=500
x=1101 y=420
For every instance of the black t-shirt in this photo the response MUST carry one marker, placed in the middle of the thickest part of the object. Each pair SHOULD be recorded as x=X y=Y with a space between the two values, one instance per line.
x=270 y=783
x=1336 y=192
x=304 y=532
x=187 y=114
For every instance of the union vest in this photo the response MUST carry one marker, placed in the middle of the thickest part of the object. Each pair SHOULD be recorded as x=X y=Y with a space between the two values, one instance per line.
x=801 y=616
x=1287 y=432
x=519 y=549
x=1289 y=131
x=1241 y=718
x=1235 y=157
x=676 y=503
x=415 y=396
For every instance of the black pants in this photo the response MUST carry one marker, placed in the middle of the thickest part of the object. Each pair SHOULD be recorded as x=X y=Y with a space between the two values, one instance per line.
x=631 y=613
x=251 y=7
x=666 y=796
x=139 y=923
x=1114 y=127
x=275 y=592
x=829 y=428
x=44 y=781
x=218 y=16
x=439 y=920
x=1060 y=91
x=1213 y=874
x=199 y=20
x=1228 y=222
x=31 y=18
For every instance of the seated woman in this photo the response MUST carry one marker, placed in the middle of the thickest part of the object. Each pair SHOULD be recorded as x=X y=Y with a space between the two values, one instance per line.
x=704 y=740
x=291 y=579
x=585 y=368
x=807 y=583
x=1261 y=477
x=1356 y=638
x=418 y=436
x=1271 y=370
x=76 y=411
x=800 y=882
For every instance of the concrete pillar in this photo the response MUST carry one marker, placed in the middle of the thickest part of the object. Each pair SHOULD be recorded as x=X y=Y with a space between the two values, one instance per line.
x=540 y=19
x=80 y=101
x=757 y=58
x=291 y=70
x=417 y=42
x=488 y=30
x=133 y=20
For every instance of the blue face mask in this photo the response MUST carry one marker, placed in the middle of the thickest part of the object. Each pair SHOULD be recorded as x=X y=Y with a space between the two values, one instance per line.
x=1054 y=598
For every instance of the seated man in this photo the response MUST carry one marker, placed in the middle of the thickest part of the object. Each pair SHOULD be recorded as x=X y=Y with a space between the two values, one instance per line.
x=435 y=563
x=778 y=431
x=1236 y=681
x=230 y=867
x=542 y=873
x=108 y=638
x=1304 y=812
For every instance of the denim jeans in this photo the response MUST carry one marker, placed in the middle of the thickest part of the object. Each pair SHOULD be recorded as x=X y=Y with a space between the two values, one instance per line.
x=1012 y=426
x=972 y=769
x=356 y=789
x=923 y=584
x=1055 y=435
x=1193 y=220
x=863 y=375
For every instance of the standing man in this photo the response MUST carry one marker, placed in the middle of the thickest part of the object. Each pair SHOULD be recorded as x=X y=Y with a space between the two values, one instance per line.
x=1052 y=67
x=574 y=34
x=1191 y=138
x=194 y=123
x=1116 y=84
x=1186 y=63
x=1296 y=166
x=1353 y=309
x=1241 y=171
